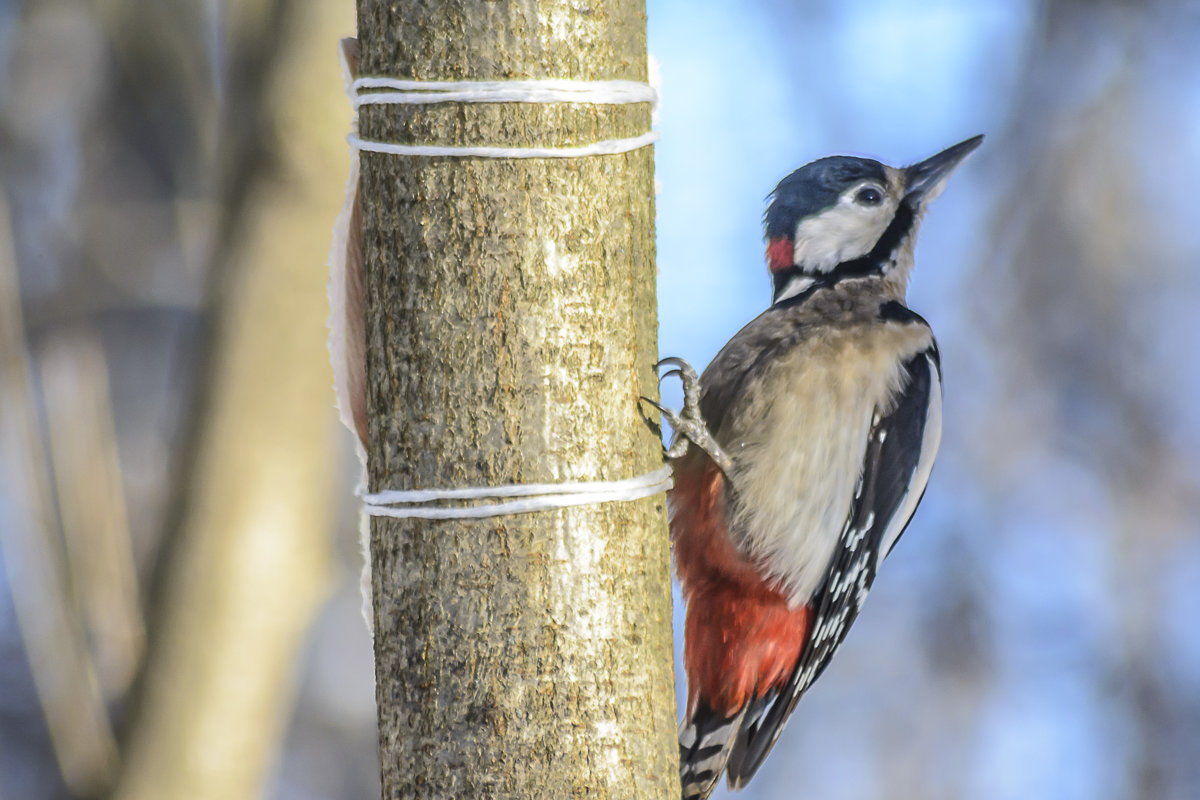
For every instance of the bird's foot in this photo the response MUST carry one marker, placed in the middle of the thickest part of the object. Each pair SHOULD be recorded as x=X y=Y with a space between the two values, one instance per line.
x=688 y=424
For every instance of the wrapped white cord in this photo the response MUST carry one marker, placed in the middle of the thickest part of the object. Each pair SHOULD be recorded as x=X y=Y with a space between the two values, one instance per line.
x=344 y=273
x=405 y=92
x=539 y=496
x=364 y=91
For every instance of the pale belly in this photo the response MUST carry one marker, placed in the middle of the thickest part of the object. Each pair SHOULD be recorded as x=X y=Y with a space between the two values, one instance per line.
x=797 y=468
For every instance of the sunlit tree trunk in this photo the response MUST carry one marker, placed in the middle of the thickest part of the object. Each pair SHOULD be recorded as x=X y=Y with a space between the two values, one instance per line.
x=511 y=329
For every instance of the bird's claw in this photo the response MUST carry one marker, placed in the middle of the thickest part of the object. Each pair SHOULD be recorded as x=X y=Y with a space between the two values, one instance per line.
x=679 y=442
x=688 y=423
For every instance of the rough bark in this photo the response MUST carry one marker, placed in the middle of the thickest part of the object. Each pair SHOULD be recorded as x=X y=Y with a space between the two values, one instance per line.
x=511 y=329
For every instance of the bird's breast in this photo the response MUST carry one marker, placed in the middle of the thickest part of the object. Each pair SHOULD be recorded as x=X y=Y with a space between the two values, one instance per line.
x=798 y=443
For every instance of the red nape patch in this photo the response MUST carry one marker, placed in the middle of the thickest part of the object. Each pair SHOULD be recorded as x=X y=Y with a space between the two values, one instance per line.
x=740 y=637
x=780 y=252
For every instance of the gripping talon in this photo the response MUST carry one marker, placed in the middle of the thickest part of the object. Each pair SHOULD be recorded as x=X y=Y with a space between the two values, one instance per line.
x=688 y=423
x=678 y=443
x=666 y=412
x=666 y=375
x=670 y=416
x=675 y=361
x=652 y=402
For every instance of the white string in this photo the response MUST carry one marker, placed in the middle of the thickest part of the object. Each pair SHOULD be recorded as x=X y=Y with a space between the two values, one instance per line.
x=409 y=92
x=602 y=148
x=406 y=92
x=540 y=496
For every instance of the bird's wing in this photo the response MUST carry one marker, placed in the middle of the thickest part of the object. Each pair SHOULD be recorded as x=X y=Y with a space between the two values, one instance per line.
x=898 y=458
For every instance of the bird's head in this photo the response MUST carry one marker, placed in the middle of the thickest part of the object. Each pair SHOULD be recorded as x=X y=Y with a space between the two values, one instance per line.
x=845 y=217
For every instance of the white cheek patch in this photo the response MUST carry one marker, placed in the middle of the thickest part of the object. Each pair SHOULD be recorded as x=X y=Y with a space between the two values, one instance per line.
x=840 y=233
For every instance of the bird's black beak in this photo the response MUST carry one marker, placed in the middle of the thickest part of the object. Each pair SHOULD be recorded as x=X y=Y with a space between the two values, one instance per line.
x=926 y=179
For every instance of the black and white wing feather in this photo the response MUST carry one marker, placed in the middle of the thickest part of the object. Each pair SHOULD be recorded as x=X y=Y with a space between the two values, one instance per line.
x=897 y=462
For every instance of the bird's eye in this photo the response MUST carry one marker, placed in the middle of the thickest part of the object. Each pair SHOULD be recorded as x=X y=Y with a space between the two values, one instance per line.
x=868 y=196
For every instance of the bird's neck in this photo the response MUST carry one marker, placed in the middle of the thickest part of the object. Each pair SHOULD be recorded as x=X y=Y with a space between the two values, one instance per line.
x=889 y=262
x=795 y=286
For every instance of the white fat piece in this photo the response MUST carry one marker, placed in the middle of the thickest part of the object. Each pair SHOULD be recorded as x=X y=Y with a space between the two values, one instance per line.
x=347 y=315
x=347 y=320
x=931 y=439
x=843 y=231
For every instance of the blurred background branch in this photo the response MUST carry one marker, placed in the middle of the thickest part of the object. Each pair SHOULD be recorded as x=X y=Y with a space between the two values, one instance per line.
x=173 y=181
x=37 y=566
x=249 y=561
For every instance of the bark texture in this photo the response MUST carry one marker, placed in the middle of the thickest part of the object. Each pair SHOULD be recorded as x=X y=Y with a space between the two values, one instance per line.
x=511 y=329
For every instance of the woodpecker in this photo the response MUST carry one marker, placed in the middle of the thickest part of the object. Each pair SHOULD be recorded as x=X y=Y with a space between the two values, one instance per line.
x=800 y=454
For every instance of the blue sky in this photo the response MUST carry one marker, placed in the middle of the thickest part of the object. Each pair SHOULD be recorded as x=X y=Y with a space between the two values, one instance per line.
x=753 y=91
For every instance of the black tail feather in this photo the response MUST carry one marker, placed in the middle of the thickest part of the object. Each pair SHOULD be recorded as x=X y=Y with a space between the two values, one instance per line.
x=758 y=731
x=704 y=743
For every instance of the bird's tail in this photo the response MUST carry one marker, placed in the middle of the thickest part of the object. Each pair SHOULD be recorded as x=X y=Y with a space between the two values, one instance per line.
x=705 y=740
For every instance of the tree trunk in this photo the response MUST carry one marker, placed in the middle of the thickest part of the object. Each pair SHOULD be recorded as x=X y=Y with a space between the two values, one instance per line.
x=510 y=330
